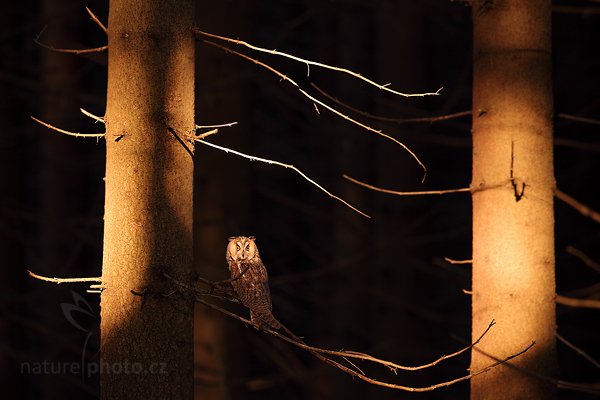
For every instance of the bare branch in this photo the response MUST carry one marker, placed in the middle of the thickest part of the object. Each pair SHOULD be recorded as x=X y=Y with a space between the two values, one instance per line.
x=592 y=388
x=390 y=119
x=216 y=126
x=96 y=20
x=58 y=281
x=421 y=193
x=317 y=352
x=561 y=384
x=579 y=119
x=578 y=303
x=212 y=131
x=92 y=116
x=253 y=158
x=313 y=99
x=451 y=261
x=355 y=371
x=576 y=144
x=83 y=135
x=583 y=257
x=577 y=350
x=393 y=366
x=308 y=63
x=582 y=208
x=70 y=51
x=206 y=134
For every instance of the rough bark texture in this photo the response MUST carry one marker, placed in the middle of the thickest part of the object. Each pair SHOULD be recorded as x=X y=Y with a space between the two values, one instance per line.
x=513 y=184
x=146 y=339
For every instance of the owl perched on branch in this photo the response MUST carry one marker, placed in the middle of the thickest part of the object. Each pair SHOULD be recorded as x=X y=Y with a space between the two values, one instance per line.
x=250 y=280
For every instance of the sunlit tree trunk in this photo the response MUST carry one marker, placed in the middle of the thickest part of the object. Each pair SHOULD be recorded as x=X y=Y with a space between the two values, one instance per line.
x=146 y=325
x=513 y=184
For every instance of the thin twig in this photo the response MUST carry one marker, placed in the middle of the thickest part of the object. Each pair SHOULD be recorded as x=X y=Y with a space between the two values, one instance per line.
x=313 y=99
x=578 y=303
x=92 y=116
x=576 y=144
x=96 y=20
x=421 y=193
x=390 y=119
x=561 y=384
x=577 y=350
x=579 y=119
x=393 y=366
x=206 y=134
x=216 y=126
x=582 y=208
x=83 y=135
x=253 y=158
x=583 y=257
x=70 y=51
x=451 y=261
x=385 y=87
x=58 y=281
x=182 y=141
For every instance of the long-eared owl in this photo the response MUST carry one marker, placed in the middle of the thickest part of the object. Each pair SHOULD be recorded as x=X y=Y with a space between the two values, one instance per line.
x=250 y=280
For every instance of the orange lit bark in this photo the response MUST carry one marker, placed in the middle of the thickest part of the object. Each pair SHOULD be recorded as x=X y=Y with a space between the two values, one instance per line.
x=145 y=326
x=513 y=184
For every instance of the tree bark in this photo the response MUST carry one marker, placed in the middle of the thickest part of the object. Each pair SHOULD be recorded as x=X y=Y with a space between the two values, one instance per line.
x=512 y=192
x=146 y=326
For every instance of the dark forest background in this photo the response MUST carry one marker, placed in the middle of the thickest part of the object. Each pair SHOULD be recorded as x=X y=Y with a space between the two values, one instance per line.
x=339 y=280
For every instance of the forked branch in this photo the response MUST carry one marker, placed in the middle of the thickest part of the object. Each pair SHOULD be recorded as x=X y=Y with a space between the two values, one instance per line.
x=397 y=193
x=325 y=355
x=446 y=117
x=319 y=102
x=76 y=134
x=70 y=51
x=199 y=34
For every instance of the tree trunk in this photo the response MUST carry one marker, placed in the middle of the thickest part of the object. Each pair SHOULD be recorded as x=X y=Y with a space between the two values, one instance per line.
x=146 y=341
x=513 y=185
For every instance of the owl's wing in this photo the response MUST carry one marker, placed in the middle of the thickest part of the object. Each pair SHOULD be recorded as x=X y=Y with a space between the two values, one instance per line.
x=260 y=272
x=260 y=279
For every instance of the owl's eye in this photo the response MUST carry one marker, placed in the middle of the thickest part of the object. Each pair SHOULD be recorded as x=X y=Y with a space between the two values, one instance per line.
x=237 y=247
x=248 y=247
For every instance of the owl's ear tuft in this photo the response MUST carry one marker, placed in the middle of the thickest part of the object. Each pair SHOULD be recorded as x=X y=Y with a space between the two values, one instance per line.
x=252 y=238
x=230 y=238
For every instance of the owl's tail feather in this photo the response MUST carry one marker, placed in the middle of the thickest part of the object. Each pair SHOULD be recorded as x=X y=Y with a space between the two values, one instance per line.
x=265 y=319
x=268 y=321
